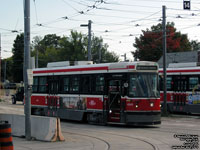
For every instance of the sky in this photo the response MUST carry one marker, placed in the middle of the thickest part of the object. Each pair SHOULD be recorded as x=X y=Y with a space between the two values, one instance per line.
x=118 y=22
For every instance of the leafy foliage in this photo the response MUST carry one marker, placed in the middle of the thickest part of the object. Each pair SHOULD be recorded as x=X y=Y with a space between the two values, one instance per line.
x=195 y=45
x=149 y=44
x=18 y=58
x=53 y=48
x=7 y=67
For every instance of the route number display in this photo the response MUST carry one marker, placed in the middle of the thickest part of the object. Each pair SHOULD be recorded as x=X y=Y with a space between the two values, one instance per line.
x=186 y=5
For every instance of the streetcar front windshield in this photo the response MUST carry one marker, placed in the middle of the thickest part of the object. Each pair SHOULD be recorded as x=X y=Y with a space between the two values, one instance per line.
x=143 y=85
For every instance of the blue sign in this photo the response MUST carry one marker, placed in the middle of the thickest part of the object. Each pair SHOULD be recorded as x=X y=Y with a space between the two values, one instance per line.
x=194 y=99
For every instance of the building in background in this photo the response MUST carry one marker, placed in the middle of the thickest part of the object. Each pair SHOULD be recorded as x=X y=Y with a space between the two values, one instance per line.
x=180 y=57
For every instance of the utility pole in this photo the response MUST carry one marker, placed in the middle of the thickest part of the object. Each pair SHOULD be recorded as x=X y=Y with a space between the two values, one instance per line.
x=27 y=89
x=99 y=61
x=36 y=58
x=124 y=57
x=164 y=61
x=0 y=67
x=5 y=64
x=89 y=25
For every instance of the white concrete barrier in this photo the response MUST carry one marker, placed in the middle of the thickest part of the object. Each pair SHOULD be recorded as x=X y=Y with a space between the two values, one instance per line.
x=42 y=128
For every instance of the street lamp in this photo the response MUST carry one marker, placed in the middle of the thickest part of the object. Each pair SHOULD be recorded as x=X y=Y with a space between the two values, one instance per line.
x=89 y=37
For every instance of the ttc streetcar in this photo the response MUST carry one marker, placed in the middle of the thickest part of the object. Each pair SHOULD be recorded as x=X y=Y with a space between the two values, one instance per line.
x=183 y=88
x=124 y=92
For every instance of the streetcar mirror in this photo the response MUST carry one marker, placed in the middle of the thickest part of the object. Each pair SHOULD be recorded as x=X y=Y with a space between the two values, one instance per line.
x=125 y=85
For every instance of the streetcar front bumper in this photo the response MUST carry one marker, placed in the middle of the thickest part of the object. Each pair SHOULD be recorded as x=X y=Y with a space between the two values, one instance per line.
x=141 y=118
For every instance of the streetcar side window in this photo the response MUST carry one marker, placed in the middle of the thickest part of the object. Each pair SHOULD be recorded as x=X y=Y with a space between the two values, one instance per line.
x=169 y=83
x=85 y=82
x=161 y=82
x=66 y=84
x=35 y=85
x=99 y=84
x=193 y=81
x=42 y=84
x=74 y=87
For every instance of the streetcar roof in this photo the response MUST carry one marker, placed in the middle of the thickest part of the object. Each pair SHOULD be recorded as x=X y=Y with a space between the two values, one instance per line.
x=97 y=68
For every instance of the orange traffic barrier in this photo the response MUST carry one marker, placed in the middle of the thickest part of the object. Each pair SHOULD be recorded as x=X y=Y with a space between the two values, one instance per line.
x=5 y=136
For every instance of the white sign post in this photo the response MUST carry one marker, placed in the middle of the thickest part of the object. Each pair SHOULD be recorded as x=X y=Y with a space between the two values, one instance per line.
x=30 y=76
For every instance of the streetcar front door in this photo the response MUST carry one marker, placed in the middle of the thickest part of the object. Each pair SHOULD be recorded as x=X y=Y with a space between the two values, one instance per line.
x=52 y=98
x=114 y=100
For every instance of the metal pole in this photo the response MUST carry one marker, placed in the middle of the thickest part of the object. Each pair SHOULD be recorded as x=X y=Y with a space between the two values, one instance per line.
x=5 y=64
x=89 y=40
x=27 y=66
x=124 y=57
x=164 y=62
x=0 y=67
x=99 y=61
x=36 y=58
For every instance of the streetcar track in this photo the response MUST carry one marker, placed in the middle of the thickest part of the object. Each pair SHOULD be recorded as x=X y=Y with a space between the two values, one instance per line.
x=130 y=137
x=166 y=129
x=107 y=143
x=139 y=139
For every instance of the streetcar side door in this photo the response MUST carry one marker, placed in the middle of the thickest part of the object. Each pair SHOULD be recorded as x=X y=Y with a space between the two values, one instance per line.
x=114 y=99
x=179 y=93
x=52 y=98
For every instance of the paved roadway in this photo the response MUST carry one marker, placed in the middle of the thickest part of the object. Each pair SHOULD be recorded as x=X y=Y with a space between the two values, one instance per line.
x=80 y=136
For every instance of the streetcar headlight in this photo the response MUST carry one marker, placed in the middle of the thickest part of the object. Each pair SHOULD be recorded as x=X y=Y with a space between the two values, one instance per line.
x=110 y=111
x=160 y=105
x=136 y=105
x=151 y=104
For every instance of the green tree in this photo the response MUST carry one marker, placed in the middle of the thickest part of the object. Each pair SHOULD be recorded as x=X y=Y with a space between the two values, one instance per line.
x=149 y=44
x=71 y=48
x=6 y=69
x=18 y=58
x=99 y=51
x=195 y=45
x=49 y=41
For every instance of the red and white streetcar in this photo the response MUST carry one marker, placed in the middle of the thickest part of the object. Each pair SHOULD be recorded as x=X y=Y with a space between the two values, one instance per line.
x=124 y=92
x=183 y=88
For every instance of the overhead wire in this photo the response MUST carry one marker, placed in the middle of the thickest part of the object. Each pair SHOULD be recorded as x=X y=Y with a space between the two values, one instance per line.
x=96 y=6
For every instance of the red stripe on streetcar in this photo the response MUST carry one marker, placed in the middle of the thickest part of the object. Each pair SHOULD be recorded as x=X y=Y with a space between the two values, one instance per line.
x=81 y=69
x=127 y=67
x=131 y=67
x=177 y=71
x=71 y=70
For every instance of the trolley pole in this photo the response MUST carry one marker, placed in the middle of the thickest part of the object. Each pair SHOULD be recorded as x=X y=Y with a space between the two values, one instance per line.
x=27 y=90
x=164 y=62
